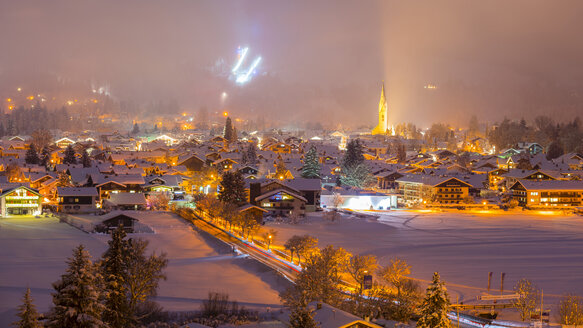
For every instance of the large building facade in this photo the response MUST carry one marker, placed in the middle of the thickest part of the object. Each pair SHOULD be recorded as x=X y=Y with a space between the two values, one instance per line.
x=20 y=201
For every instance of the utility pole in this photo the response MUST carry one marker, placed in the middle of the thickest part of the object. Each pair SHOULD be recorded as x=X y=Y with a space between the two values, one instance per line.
x=457 y=301
x=541 y=308
x=489 y=280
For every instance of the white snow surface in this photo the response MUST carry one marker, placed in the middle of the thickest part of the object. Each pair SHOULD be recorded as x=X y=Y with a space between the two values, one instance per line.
x=463 y=247
x=33 y=252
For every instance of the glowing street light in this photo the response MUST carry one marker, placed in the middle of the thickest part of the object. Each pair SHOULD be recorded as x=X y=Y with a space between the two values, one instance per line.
x=225 y=114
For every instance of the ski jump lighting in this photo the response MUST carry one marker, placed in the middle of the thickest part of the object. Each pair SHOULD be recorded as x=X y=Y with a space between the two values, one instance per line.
x=243 y=76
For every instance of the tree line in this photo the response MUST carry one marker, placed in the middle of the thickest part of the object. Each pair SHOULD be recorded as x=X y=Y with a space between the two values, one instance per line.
x=24 y=121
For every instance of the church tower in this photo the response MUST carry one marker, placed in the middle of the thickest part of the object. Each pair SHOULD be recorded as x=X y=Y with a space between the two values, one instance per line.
x=383 y=127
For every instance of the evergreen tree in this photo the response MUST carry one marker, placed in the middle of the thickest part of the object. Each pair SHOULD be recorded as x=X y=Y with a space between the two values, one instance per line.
x=112 y=266
x=2 y=130
x=31 y=156
x=77 y=297
x=353 y=155
x=29 y=317
x=232 y=188
x=228 y=131
x=251 y=154
x=156 y=127
x=435 y=306
x=234 y=136
x=555 y=150
x=69 y=156
x=11 y=129
x=45 y=157
x=301 y=316
x=311 y=168
x=355 y=172
x=85 y=159
x=136 y=129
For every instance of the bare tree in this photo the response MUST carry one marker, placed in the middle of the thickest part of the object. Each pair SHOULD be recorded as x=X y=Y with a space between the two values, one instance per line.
x=337 y=200
x=395 y=273
x=571 y=310
x=159 y=200
x=359 y=266
x=527 y=298
x=306 y=246
x=41 y=138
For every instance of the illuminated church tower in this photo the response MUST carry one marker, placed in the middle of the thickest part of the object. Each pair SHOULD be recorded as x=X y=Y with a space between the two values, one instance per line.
x=383 y=127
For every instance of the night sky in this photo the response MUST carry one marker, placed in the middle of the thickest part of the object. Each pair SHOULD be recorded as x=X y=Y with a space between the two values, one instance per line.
x=321 y=60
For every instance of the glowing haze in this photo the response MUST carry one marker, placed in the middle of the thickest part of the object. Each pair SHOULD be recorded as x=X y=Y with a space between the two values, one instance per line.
x=319 y=60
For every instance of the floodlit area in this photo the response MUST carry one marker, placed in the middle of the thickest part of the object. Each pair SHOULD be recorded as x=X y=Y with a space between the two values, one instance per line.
x=33 y=253
x=464 y=247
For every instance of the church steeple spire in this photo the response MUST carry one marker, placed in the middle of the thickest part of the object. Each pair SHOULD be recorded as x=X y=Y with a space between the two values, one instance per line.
x=383 y=126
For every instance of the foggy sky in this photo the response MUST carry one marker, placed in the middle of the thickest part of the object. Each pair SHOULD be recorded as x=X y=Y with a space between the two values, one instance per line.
x=323 y=60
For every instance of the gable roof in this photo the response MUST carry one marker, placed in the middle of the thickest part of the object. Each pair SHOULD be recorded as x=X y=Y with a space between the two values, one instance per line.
x=273 y=192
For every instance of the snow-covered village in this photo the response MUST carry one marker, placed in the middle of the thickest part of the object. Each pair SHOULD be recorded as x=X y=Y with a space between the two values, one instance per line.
x=235 y=185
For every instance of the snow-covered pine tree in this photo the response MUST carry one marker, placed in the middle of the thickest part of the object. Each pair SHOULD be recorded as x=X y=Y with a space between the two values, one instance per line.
x=232 y=188
x=69 y=156
x=45 y=157
x=251 y=154
x=31 y=156
x=85 y=159
x=77 y=297
x=228 y=130
x=311 y=168
x=27 y=313
x=302 y=317
x=355 y=172
x=117 y=312
x=435 y=306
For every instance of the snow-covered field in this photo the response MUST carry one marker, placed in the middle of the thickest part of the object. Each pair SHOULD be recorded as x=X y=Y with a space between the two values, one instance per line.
x=33 y=253
x=464 y=247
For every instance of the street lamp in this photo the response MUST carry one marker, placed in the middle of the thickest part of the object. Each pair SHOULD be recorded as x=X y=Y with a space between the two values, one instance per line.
x=269 y=243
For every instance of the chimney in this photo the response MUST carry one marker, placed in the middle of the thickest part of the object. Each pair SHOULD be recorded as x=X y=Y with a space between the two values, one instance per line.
x=254 y=191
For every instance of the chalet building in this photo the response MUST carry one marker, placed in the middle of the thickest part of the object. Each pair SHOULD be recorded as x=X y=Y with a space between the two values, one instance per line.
x=309 y=189
x=20 y=201
x=77 y=200
x=113 y=220
x=282 y=202
x=548 y=193
x=278 y=148
x=191 y=162
x=531 y=148
x=254 y=211
x=165 y=183
x=386 y=179
x=510 y=177
x=224 y=164
x=422 y=189
x=248 y=171
x=125 y=201
x=64 y=142
x=111 y=184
